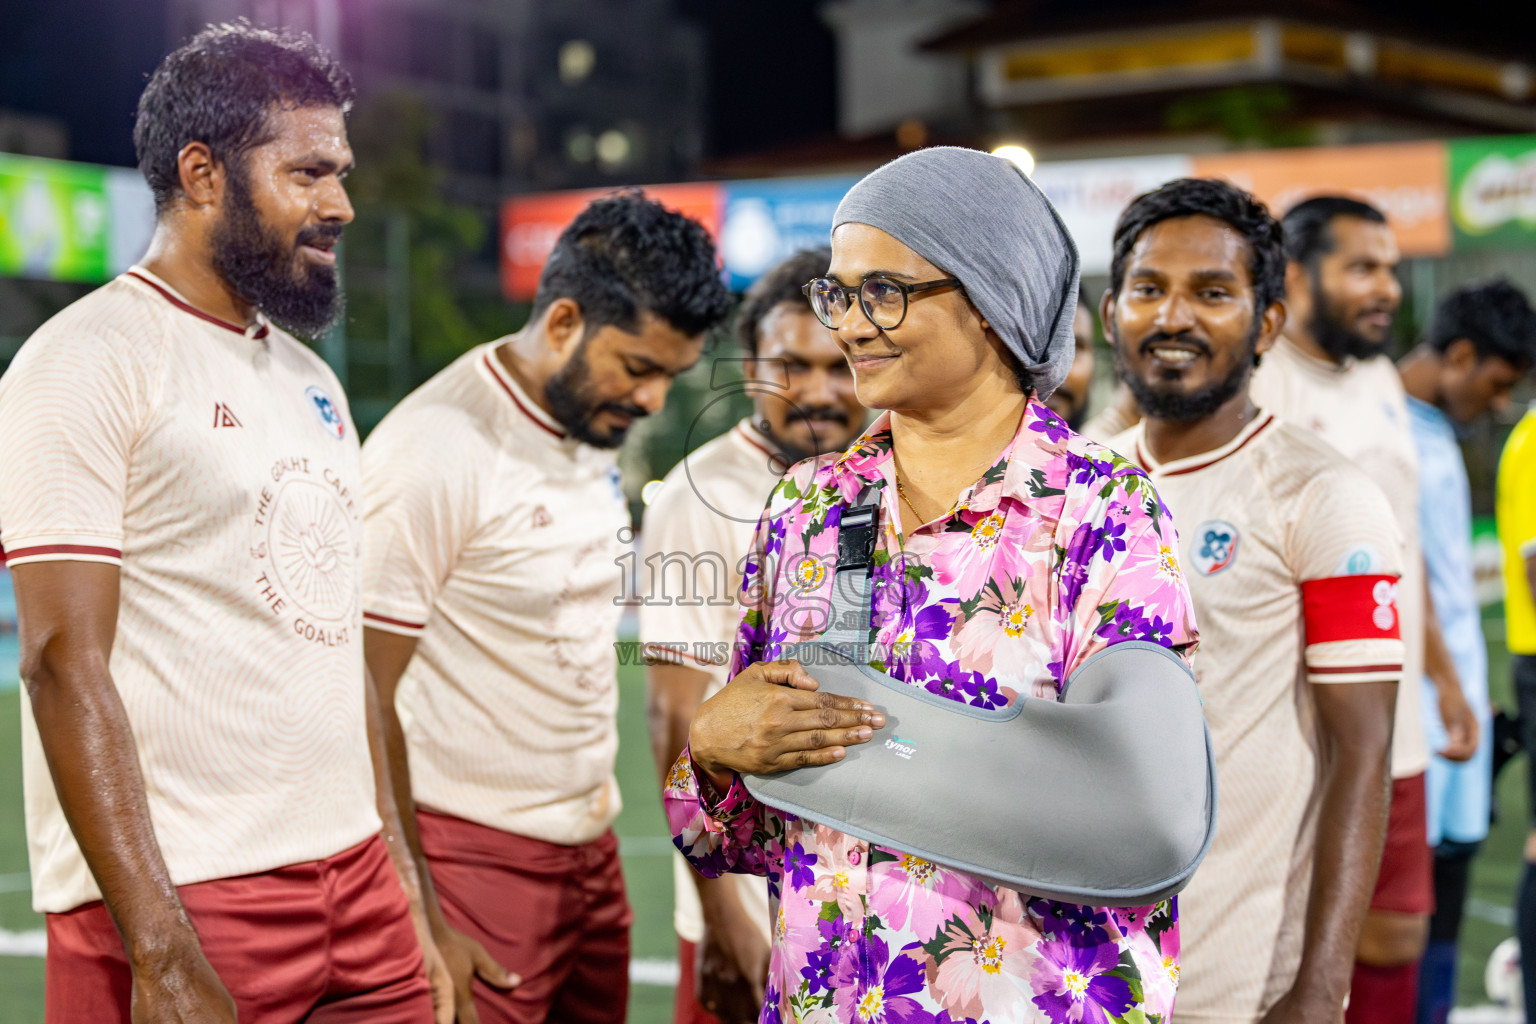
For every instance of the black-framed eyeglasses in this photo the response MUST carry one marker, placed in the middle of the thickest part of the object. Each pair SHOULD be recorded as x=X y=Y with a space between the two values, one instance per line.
x=883 y=299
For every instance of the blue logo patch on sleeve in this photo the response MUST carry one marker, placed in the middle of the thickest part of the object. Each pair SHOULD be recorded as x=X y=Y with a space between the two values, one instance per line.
x=1215 y=546
x=326 y=412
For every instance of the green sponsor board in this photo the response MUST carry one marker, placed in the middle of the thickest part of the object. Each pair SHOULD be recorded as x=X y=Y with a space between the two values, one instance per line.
x=1493 y=191
x=54 y=219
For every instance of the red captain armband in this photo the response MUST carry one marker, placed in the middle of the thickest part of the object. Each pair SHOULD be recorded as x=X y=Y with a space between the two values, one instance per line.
x=1350 y=608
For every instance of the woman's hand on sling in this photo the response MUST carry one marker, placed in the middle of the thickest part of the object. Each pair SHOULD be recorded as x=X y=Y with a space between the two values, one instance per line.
x=774 y=717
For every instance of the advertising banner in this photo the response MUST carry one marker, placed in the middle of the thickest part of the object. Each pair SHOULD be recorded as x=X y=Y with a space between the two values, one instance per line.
x=1406 y=181
x=766 y=221
x=530 y=226
x=1493 y=191
x=66 y=221
x=1089 y=194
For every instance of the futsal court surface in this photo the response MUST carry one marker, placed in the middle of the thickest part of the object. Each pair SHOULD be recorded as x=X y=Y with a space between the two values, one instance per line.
x=646 y=848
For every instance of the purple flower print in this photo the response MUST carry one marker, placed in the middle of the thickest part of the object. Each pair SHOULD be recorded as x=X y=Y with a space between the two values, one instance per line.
x=1081 y=925
x=1074 y=563
x=798 y=863
x=823 y=963
x=894 y=593
x=774 y=536
x=1085 y=470
x=1074 y=985
x=981 y=692
x=1048 y=423
x=912 y=642
x=1110 y=539
x=875 y=989
x=1130 y=623
x=770 y=1014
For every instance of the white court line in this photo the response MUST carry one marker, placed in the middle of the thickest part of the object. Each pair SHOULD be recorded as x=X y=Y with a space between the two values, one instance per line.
x=1493 y=913
x=32 y=943
x=654 y=972
x=1487 y=1015
x=641 y=972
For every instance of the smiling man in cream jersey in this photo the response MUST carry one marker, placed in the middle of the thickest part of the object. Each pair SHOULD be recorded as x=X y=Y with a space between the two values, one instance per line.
x=698 y=528
x=1329 y=373
x=180 y=504
x=1300 y=653
x=495 y=528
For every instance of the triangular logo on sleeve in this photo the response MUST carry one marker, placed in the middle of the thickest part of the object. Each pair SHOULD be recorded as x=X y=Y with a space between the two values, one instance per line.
x=223 y=416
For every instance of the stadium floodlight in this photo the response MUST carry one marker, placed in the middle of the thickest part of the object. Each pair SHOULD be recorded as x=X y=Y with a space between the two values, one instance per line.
x=1017 y=155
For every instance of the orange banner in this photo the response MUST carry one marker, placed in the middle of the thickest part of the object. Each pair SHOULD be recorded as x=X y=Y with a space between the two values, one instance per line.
x=1406 y=181
x=530 y=226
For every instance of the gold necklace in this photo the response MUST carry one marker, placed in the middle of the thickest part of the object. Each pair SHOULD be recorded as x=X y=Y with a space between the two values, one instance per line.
x=902 y=491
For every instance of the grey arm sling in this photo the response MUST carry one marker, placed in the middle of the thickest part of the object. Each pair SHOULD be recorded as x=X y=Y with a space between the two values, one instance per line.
x=1105 y=796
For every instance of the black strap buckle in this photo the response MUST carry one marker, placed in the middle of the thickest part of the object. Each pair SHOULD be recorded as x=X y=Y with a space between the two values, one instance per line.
x=856 y=537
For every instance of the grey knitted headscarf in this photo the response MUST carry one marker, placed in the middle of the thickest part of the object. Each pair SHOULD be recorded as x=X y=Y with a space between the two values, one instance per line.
x=979 y=218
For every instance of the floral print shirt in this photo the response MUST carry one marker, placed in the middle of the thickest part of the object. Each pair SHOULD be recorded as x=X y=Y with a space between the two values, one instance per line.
x=1060 y=549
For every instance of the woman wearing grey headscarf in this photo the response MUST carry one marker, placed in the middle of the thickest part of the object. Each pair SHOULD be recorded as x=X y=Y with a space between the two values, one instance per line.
x=1009 y=551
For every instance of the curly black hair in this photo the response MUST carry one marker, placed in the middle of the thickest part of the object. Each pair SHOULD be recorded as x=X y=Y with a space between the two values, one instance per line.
x=1494 y=316
x=781 y=284
x=1208 y=197
x=1309 y=226
x=221 y=88
x=625 y=255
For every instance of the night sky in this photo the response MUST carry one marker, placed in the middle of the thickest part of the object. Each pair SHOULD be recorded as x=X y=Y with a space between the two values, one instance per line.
x=771 y=73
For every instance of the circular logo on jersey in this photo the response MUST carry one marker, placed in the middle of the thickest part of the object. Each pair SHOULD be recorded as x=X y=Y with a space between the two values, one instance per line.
x=326 y=412
x=311 y=549
x=1215 y=546
x=1360 y=560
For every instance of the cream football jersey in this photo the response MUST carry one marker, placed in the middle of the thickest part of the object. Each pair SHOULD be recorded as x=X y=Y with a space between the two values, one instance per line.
x=1359 y=408
x=498 y=540
x=218 y=467
x=1292 y=559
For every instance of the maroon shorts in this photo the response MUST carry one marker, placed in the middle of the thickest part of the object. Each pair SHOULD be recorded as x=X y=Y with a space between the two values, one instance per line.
x=686 y=1008
x=325 y=942
x=1406 y=883
x=555 y=915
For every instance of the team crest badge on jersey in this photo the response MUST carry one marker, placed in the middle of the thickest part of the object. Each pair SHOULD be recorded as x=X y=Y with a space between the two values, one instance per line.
x=1215 y=546
x=326 y=411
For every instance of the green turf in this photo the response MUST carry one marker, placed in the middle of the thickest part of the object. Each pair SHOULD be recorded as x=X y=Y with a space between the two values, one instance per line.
x=648 y=871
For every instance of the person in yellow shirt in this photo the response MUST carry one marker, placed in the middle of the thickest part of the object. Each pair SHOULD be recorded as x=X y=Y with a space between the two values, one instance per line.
x=1515 y=506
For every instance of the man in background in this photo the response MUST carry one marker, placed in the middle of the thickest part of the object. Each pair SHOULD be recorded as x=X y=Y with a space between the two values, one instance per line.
x=703 y=518
x=1070 y=399
x=1329 y=373
x=1300 y=649
x=1481 y=343
x=493 y=519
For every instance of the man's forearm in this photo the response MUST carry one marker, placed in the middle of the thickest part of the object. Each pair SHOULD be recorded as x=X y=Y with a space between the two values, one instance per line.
x=1355 y=794
x=396 y=833
x=92 y=757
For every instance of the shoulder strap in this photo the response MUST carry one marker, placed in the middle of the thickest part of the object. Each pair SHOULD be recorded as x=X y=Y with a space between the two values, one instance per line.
x=858 y=531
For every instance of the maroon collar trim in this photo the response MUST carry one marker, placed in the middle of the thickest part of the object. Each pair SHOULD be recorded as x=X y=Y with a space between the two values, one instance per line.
x=490 y=364
x=1141 y=454
x=187 y=307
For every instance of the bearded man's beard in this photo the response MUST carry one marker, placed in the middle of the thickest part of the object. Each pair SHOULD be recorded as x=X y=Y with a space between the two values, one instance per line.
x=1335 y=337
x=573 y=401
x=265 y=269
x=1167 y=403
